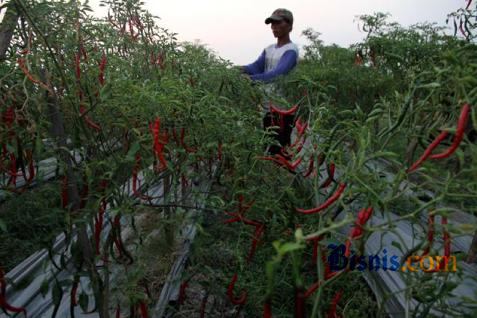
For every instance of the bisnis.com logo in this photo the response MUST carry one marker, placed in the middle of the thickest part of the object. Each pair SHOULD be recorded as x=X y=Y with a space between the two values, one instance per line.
x=429 y=264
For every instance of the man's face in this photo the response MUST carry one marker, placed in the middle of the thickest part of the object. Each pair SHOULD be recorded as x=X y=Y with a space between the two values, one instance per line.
x=280 y=28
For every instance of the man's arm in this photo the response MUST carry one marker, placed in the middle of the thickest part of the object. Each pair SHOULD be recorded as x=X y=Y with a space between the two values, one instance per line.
x=286 y=64
x=256 y=67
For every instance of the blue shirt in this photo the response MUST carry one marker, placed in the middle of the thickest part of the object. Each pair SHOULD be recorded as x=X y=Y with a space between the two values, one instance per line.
x=273 y=62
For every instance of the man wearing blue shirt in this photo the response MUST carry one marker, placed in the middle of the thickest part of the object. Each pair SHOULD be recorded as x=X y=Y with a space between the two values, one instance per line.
x=275 y=60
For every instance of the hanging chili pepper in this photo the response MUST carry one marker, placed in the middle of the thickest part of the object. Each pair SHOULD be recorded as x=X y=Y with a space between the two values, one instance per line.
x=334 y=303
x=182 y=292
x=282 y=161
x=312 y=289
x=24 y=68
x=74 y=290
x=300 y=302
x=430 y=235
x=327 y=203
x=219 y=151
x=143 y=309
x=98 y=226
x=256 y=238
x=158 y=145
x=88 y=120
x=316 y=240
x=331 y=174
x=290 y=111
x=459 y=134
x=267 y=309
x=428 y=151
x=8 y=116
x=310 y=167
x=357 y=231
x=230 y=293
x=31 y=167
x=3 y=302
x=203 y=305
x=118 y=311
x=447 y=241
x=102 y=66
x=300 y=126
x=134 y=175
x=13 y=171
x=83 y=52
x=77 y=67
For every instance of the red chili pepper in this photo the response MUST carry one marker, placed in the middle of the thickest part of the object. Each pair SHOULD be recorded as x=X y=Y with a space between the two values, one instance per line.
x=8 y=116
x=283 y=161
x=134 y=174
x=300 y=302
x=459 y=134
x=158 y=145
x=3 y=302
x=430 y=235
x=117 y=238
x=182 y=292
x=13 y=170
x=428 y=151
x=102 y=66
x=267 y=309
x=332 y=311
x=118 y=311
x=310 y=167
x=316 y=240
x=327 y=203
x=447 y=241
x=203 y=305
x=31 y=170
x=256 y=238
x=283 y=112
x=219 y=151
x=98 y=226
x=143 y=309
x=312 y=289
x=363 y=217
x=74 y=289
x=331 y=174
x=83 y=52
x=88 y=120
x=300 y=126
x=230 y=293
x=77 y=66
x=24 y=68
x=64 y=192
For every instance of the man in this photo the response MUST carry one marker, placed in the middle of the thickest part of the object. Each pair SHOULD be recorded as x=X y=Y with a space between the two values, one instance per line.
x=275 y=60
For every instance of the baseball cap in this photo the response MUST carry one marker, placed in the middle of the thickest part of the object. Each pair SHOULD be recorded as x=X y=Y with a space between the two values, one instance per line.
x=280 y=14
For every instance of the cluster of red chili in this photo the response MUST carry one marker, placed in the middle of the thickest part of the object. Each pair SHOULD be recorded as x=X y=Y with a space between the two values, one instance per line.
x=284 y=158
x=133 y=23
x=458 y=137
x=8 y=118
x=259 y=230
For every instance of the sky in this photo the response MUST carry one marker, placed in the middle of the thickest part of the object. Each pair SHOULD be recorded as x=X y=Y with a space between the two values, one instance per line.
x=236 y=31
